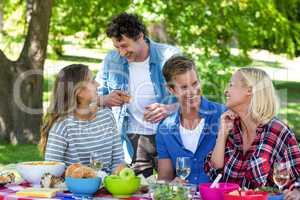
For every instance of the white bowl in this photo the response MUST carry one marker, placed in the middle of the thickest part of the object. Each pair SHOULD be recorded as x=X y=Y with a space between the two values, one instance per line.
x=33 y=171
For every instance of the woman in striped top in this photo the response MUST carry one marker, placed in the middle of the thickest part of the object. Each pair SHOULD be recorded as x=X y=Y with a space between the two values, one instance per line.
x=74 y=126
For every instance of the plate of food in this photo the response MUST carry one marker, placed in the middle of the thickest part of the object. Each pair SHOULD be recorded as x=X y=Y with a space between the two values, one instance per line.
x=6 y=178
x=246 y=195
x=273 y=193
x=262 y=193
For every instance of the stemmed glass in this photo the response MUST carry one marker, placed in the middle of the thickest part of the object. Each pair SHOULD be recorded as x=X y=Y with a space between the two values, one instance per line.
x=183 y=167
x=95 y=161
x=281 y=174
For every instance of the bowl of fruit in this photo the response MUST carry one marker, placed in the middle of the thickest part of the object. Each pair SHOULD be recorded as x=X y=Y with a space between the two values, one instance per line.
x=122 y=184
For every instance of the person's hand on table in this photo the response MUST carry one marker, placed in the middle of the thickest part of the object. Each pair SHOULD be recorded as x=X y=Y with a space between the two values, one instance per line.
x=179 y=180
x=291 y=194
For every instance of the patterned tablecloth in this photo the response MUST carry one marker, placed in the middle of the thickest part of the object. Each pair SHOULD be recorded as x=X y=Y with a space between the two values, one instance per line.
x=8 y=192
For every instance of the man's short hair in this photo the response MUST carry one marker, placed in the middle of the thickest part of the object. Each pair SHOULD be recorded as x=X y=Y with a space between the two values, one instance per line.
x=125 y=24
x=177 y=65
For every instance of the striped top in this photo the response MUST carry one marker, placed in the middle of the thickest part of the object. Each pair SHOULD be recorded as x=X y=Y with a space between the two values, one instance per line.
x=72 y=140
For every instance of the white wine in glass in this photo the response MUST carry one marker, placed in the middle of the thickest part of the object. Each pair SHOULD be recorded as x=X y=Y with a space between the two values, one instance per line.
x=95 y=162
x=183 y=167
x=281 y=174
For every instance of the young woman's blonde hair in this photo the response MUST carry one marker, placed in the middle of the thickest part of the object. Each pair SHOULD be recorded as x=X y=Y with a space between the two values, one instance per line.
x=264 y=102
x=64 y=98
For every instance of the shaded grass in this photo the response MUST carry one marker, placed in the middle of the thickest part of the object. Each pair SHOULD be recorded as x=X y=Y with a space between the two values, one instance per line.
x=19 y=153
x=289 y=93
x=79 y=59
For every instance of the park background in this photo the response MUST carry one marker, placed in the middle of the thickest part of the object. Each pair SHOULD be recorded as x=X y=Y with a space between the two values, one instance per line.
x=220 y=35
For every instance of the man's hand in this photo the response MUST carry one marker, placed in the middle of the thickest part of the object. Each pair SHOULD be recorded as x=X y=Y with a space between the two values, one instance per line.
x=115 y=98
x=156 y=112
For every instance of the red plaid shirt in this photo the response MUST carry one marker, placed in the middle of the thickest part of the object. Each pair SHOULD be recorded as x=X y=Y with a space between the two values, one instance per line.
x=274 y=141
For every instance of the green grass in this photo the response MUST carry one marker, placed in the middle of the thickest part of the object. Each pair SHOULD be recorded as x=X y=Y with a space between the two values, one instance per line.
x=19 y=153
x=290 y=110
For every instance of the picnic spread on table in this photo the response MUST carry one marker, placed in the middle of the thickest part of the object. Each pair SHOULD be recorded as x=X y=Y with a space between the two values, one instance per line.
x=53 y=180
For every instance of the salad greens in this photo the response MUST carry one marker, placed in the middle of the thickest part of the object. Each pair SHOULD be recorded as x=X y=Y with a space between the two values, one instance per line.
x=170 y=192
x=269 y=190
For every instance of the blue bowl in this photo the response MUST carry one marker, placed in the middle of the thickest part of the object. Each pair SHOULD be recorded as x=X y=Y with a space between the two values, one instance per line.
x=276 y=197
x=83 y=187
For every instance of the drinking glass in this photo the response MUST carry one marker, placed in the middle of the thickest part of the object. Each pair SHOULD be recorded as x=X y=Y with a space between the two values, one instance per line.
x=281 y=174
x=95 y=161
x=183 y=167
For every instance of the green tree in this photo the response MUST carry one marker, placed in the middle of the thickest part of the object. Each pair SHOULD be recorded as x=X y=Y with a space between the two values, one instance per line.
x=21 y=80
x=207 y=30
x=88 y=17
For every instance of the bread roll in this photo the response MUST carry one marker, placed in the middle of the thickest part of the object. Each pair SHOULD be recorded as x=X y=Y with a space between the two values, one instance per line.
x=80 y=171
x=71 y=169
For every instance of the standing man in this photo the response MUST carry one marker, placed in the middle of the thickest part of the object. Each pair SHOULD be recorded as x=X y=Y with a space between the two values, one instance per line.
x=131 y=82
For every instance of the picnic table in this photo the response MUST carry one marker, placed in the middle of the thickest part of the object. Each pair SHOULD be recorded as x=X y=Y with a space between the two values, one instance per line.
x=8 y=192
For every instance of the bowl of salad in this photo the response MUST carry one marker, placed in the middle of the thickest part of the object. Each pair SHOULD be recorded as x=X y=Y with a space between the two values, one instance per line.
x=273 y=193
x=169 y=191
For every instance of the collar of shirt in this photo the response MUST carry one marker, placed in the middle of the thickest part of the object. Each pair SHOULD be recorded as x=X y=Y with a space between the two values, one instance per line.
x=238 y=137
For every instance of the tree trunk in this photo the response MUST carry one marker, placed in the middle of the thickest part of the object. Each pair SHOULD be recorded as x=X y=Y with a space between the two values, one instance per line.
x=29 y=8
x=22 y=81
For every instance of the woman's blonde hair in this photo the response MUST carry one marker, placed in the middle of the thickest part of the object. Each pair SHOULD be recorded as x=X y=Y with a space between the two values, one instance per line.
x=64 y=98
x=264 y=102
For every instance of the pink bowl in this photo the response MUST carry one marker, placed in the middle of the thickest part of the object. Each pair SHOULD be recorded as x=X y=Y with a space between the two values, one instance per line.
x=216 y=193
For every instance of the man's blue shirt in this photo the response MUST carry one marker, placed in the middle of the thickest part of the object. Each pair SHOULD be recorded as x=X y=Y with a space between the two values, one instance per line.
x=170 y=146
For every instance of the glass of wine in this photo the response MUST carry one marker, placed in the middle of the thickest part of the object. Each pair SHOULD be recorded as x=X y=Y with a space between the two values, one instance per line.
x=281 y=174
x=95 y=161
x=183 y=167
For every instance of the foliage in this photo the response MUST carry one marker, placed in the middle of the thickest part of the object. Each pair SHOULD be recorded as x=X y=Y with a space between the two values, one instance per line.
x=217 y=25
x=87 y=17
x=207 y=30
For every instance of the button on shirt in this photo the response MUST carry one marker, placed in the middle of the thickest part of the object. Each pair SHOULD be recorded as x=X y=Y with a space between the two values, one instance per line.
x=170 y=145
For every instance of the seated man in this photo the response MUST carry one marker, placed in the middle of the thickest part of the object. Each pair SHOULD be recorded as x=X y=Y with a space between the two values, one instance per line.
x=190 y=131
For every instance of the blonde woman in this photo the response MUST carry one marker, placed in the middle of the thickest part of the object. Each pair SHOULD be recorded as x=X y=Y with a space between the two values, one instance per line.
x=74 y=127
x=251 y=139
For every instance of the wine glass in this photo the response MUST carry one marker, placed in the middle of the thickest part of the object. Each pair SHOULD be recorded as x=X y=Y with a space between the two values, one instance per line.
x=95 y=161
x=183 y=167
x=281 y=174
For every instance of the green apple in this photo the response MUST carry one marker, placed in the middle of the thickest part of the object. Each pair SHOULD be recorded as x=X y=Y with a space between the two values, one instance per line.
x=127 y=173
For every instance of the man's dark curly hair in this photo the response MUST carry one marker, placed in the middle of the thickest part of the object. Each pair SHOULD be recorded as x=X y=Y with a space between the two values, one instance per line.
x=125 y=24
